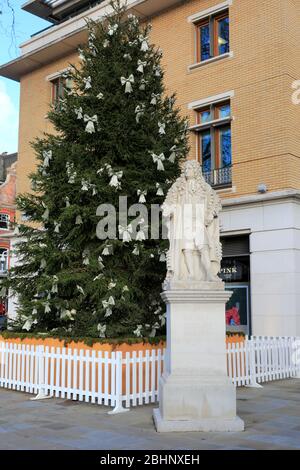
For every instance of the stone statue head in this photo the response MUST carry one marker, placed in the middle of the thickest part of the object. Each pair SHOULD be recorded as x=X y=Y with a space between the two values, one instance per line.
x=191 y=169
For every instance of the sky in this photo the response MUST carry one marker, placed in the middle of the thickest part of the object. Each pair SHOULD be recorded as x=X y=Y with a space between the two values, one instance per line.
x=25 y=25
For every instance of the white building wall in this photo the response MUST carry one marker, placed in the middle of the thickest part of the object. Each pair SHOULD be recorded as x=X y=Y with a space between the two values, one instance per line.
x=274 y=226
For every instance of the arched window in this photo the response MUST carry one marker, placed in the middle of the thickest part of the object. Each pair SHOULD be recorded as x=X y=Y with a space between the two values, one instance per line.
x=4 y=221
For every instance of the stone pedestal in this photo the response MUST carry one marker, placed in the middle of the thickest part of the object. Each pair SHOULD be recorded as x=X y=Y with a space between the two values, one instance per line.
x=195 y=391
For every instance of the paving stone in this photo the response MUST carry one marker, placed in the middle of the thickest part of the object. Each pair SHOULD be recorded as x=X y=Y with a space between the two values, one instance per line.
x=271 y=414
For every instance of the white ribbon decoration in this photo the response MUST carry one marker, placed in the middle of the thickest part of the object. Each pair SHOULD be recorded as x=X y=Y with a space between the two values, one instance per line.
x=45 y=215
x=100 y=96
x=79 y=113
x=139 y=111
x=144 y=43
x=173 y=154
x=141 y=66
x=161 y=128
x=54 y=289
x=101 y=329
x=68 y=314
x=157 y=70
x=47 y=307
x=159 y=160
x=100 y=259
x=57 y=226
x=78 y=220
x=136 y=250
x=28 y=324
x=106 y=43
x=154 y=99
x=125 y=232
x=142 y=195
x=111 y=285
x=88 y=83
x=112 y=29
x=155 y=327
x=106 y=250
x=159 y=191
x=107 y=304
x=127 y=82
x=90 y=128
x=143 y=84
x=67 y=200
x=114 y=182
x=80 y=289
x=85 y=258
x=140 y=236
x=138 y=331
x=85 y=185
x=47 y=154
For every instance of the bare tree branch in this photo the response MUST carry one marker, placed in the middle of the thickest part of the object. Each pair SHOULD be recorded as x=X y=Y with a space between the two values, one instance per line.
x=8 y=8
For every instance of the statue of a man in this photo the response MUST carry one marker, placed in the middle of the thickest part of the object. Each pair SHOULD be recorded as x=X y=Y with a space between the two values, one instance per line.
x=191 y=211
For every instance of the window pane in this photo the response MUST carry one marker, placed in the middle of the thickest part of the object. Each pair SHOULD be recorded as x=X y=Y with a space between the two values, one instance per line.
x=205 y=116
x=205 y=139
x=204 y=42
x=224 y=110
x=225 y=147
x=223 y=35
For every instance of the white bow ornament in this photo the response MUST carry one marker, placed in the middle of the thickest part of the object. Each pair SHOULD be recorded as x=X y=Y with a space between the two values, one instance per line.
x=90 y=120
x=128 y=83
x=125 y=233
x=159 y=191
x=159 y=160
x=142 y=194
x=141 y=66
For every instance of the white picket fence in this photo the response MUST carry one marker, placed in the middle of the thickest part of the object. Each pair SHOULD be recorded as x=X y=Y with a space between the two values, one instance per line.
x=263 y=359
x=114 y=379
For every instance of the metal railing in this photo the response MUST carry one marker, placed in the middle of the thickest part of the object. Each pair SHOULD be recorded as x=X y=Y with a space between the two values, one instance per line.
x=219 y=176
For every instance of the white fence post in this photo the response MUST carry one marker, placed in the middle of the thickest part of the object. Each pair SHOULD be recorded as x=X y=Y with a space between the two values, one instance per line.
x=119 y=386
x=250 y=345
x=296 y=356
x=40 y=364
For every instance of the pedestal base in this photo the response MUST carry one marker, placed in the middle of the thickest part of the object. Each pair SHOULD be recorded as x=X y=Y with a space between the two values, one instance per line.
x=204 y=424
x=195 y=391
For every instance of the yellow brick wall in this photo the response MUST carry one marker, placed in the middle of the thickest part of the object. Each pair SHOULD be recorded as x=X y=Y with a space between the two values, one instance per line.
x=264 y=37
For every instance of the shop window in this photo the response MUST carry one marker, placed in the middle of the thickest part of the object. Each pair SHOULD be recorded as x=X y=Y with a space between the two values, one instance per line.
x=235 y=272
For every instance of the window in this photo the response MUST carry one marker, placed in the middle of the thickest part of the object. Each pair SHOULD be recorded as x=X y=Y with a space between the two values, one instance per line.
x=213 y=130
x=3 y=260
x=212 y=36
x=59 y=87
x=4 y=221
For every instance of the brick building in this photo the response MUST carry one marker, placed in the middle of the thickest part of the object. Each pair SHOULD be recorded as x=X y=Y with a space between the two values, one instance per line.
x=233 y=65
x=7 y=216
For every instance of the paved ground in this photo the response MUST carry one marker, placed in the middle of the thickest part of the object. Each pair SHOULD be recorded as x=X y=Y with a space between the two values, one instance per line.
x=271 y=414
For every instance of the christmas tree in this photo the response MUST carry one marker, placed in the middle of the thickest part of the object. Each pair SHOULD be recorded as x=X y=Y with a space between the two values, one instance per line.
x=116 y=134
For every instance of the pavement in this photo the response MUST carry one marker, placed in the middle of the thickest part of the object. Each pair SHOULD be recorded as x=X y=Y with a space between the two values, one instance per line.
x=271 y=415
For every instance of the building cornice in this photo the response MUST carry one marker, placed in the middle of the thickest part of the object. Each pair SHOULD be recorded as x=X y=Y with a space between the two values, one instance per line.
x=258 y=199
x=64 y=38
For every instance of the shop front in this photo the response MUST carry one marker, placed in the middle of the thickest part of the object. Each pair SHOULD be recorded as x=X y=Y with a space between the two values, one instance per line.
x=235 y=272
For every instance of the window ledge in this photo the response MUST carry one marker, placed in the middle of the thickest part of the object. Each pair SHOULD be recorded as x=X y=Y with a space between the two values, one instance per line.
x=229 y=189
x=209 y=61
